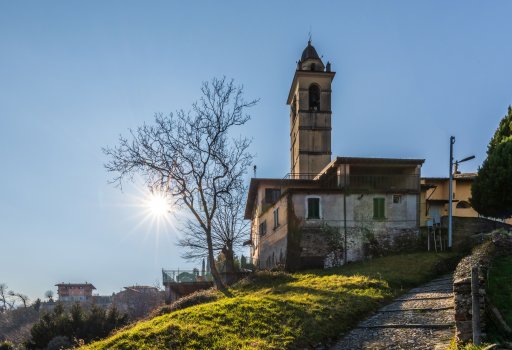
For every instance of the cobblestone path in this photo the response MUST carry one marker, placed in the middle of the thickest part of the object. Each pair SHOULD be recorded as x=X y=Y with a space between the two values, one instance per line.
x=423 y=318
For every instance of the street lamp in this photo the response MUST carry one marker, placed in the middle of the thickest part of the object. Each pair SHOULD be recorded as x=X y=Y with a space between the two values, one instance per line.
x=450 y=188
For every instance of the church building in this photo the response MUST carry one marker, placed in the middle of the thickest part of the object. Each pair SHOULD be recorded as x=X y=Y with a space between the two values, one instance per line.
x=329 y=210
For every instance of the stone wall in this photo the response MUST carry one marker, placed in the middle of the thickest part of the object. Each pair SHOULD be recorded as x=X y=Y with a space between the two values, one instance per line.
x=466 y=230
x=463 y=306
x=482 y=257
x=315 y=251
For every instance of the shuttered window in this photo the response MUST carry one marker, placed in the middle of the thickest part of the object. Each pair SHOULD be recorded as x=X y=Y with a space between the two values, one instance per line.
x=263 y=228
x=378 y=208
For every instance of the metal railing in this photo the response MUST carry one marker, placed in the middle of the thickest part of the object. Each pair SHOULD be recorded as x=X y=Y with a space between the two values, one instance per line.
x=382 y=182
x=185 y=276
x=300 y=176
x=370 y=182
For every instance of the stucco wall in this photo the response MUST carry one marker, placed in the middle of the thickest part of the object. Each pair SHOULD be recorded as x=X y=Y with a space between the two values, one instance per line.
x=270 y=249
x=364 y=233
x=359 y=210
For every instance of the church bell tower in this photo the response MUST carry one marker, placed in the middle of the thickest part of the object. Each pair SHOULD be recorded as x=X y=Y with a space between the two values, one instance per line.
x=310 y=115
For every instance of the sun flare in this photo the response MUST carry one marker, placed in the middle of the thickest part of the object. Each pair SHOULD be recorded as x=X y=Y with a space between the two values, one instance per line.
x=157 y=204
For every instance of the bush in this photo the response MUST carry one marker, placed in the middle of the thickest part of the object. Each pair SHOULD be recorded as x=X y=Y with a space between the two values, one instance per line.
x=59 y=343
x=76 y=324
x=6 y=345
x=196 y=298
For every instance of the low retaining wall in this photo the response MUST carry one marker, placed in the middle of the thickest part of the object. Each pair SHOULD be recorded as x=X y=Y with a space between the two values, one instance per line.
x=466 y=230
x=482 y=257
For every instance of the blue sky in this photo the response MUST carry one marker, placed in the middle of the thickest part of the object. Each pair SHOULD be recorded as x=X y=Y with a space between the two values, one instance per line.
x=75 y=75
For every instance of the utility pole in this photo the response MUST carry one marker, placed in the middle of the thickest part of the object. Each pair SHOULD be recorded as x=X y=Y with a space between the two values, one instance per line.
x=450 y=189
x=450 y=194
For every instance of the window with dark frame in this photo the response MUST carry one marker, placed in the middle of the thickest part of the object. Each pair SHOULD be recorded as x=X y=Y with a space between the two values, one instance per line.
x=313 y=208
x=397 y=198
x=263 y=228
x=276 y=218
x=378 y=208
x=272 y=195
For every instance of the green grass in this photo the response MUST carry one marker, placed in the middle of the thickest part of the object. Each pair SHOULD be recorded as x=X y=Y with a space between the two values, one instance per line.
x=500 y=286
x=280 y=310
x=454 y=346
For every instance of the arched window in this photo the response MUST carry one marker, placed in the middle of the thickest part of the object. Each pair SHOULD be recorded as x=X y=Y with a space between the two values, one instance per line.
x=314 y=97
x=463 y=205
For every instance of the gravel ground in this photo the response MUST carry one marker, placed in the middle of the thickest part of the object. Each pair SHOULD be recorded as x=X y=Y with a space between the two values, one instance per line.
x=421 y=319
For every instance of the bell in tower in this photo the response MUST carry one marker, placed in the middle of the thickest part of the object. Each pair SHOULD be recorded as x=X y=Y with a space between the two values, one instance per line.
x=310 y=115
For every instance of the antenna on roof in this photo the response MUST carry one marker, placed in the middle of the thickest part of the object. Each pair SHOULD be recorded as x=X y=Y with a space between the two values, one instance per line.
x=254 y=169
x=310 y=35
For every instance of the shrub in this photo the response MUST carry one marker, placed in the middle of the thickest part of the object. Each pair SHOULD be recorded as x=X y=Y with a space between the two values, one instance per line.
x=6 y=345
x=94 y=324
x=59 y=343
x=196 y=298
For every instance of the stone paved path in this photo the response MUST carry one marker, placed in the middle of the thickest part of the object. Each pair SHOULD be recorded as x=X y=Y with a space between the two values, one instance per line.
x=420 y=319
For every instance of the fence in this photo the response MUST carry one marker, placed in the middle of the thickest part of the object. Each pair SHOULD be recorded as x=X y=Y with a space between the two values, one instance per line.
x=366 y=182
x=185 y=276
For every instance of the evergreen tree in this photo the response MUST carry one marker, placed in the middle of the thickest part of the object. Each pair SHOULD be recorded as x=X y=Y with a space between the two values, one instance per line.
x=77 y=321
x=503 y=133
x=60 y=327
x=492 y=189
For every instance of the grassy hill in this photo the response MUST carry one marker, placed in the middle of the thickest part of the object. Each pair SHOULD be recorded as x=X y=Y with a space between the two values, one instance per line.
x=280 y=310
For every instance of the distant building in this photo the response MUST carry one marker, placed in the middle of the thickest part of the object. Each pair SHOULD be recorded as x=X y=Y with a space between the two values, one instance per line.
x=80 y=292
x=435 y=198
x=179 y=283
x=138 y=301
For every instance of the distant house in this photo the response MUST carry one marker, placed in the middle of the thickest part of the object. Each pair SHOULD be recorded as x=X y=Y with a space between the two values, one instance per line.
x=138 y=301
x=361 y=202
x=179 y=283
x=435 y=198
x=467 y=224
x=70 y=292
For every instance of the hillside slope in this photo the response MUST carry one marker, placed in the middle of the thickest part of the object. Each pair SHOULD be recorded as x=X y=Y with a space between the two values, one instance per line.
x=279 y=310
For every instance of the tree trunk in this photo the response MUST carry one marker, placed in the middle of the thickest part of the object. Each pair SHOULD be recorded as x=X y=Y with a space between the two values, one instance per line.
x=227 y=250
x=213 y=268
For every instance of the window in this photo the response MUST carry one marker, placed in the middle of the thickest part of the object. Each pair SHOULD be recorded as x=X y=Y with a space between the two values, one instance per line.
x=276 y=217
x=314 y=208
x=263 y=228
x=314 y=97
x=272 y=195
x=397 y=199
x=378 y=208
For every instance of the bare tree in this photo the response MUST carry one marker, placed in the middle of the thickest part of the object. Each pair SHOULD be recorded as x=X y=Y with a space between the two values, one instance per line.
x=229 y=231
x=191 y=156
x=6 y=298
x=22 y=297
x=3 y=297
x=49 y=295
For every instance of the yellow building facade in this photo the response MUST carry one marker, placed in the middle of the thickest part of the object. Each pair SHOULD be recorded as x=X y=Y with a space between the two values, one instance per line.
x=435 y=198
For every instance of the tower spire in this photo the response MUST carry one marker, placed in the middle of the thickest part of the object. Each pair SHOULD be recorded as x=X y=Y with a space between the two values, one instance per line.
x=310 y=115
